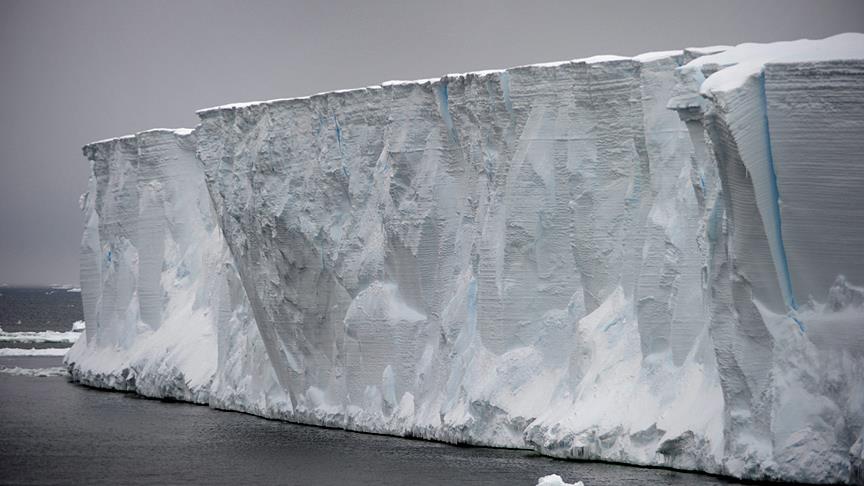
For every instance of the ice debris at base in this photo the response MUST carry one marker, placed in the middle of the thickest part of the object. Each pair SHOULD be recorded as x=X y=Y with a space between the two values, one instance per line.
x=597 y=259
x=556 y=480
x=79 y=326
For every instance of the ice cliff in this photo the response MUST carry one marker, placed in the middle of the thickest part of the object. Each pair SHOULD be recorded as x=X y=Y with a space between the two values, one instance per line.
x=655 y=260
x=167 y=316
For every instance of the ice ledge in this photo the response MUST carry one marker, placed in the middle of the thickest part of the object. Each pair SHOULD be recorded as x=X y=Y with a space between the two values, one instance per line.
x=734 y=66
x=182 y=132
x=729 y=68
x=602 y=59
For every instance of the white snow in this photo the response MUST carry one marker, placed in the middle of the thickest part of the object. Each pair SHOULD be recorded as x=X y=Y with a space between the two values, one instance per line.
x=402 y=82
x=745 y=60
x=657 y=55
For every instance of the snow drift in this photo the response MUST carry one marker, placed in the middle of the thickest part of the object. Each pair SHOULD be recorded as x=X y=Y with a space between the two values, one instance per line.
x=653 y=260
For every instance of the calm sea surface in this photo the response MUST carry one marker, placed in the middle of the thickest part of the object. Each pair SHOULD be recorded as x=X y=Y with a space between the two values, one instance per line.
x=39 y=309
x=53 y=431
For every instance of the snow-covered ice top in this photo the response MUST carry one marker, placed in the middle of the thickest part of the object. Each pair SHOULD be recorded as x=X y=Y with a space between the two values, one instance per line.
x=721 y=69
x=744 y=60
x=642 y=58
x=168 y=131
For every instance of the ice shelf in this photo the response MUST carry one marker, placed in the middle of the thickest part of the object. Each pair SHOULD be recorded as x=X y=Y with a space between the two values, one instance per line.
x=655 y=260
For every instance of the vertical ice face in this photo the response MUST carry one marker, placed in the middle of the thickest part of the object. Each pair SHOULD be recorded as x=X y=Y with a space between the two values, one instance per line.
x=109 y=293
x=455 y=258
x=784 y=121
x=545 y=256
x=157 y=281
x=821 y=237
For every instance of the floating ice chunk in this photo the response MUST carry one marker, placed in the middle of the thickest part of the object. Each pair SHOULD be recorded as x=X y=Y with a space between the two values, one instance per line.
x=556 y=480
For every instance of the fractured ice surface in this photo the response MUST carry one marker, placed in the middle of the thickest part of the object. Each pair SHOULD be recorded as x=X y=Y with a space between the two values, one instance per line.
x=166 y=315
x=785 y=125
x=546 y=256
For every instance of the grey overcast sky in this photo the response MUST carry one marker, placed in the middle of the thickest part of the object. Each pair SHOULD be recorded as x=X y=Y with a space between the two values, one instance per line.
x=76 y=71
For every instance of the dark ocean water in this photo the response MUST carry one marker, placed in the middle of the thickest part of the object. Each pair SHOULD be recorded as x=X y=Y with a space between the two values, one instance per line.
x=39 y=309
x=56 y=432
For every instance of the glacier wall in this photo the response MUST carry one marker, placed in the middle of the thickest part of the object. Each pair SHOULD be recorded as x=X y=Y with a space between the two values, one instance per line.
x=654 y=260
x=457 y=233
x=167 y=314
x=785 y=123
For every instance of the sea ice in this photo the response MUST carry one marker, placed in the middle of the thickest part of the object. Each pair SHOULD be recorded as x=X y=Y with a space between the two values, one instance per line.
x=40 y=372
x=38 y=336
x=33 y=351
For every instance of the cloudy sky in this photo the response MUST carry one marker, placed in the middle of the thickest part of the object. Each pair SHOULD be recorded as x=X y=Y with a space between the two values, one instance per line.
x=76 y=71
